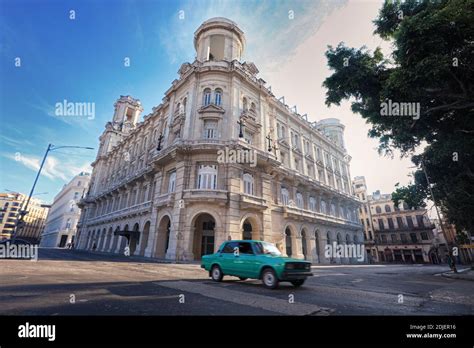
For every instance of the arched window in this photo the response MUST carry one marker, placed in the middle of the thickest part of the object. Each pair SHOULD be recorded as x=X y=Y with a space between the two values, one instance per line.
x=387 y=208
x=339 y=238
x=299 y=200
x=378 y=210
x=285 y=196
x=356 y=239
x=333 y=209
x=348 y=239
x=245 y=105
x=341 y=212
x=207 y=177
x=312 y=204
x=248 y=184
x=207 y=97
x=218 y=96
x=328 y=238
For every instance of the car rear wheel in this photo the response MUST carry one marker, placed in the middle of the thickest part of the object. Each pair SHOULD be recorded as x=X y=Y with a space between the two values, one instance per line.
x=243 y=278
x=298 y=282
x=216 y=273
x=269 y=279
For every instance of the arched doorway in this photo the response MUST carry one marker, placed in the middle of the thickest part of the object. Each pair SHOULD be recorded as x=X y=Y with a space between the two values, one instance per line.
x=247 y=230
x=304 y=246
x=134 y=238
x=288 y=241
x=144 y=238
x=204 y=235
x=250 y=226
x=163 y=237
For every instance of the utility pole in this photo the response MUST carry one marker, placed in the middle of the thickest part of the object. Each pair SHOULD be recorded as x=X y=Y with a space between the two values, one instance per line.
x=24 y=211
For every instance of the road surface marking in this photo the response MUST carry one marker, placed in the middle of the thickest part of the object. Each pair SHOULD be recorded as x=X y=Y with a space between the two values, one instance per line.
x=258 y=301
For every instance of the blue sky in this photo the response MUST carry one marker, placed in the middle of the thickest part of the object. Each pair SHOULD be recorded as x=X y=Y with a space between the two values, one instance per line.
x=82 y=60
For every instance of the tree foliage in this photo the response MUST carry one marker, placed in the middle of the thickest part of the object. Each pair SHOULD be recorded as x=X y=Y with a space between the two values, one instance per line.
x=432 y=65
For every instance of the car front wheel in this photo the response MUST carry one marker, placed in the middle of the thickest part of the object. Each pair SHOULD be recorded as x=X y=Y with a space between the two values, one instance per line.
x=216 y=273
x=269 y=279
x=298 y=282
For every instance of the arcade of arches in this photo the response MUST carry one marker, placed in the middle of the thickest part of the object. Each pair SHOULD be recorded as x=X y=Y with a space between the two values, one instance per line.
x=205 y=235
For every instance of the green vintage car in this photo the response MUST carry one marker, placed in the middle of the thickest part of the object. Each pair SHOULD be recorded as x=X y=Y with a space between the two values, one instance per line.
x=255 y=259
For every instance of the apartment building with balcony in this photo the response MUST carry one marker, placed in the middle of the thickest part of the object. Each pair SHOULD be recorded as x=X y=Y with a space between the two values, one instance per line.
x=158 y=188
x=401 y=234
x=11 y=204
x=60 y=227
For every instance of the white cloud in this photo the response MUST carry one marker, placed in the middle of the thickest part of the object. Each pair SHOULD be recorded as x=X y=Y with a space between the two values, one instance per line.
x=271 y=35
x=53 y=168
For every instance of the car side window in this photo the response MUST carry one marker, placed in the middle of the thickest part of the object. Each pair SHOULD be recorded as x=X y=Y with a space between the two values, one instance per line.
x=258 y=248
x=245 y=248
x=229 y=248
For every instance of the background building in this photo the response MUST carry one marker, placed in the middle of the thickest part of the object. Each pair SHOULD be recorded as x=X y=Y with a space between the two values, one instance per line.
x=60 y=228
x=401 y=234
x=360 y=190
x=10 y=206
x=159 y=189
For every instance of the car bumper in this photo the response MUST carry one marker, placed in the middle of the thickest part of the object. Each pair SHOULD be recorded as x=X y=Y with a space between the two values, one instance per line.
x=295 y=275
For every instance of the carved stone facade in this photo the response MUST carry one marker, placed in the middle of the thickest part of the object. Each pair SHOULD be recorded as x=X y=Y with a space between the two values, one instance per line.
x=159 y=190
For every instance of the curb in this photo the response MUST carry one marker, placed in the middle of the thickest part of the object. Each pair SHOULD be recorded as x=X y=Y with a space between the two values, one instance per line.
x=462 y=274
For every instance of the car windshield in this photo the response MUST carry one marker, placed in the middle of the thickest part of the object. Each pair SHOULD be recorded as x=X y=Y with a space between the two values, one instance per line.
x=267 y=248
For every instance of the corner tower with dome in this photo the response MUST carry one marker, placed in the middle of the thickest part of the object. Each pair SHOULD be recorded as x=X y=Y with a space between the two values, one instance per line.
x=158 y=188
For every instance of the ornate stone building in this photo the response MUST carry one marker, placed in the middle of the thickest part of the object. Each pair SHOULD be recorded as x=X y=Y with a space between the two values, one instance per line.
x=159 y=189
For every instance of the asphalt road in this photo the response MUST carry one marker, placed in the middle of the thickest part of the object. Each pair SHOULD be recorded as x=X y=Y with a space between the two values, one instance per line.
x=64 y=282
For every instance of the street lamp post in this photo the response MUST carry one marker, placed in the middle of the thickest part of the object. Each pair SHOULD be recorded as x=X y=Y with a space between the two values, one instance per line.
x=51 y=147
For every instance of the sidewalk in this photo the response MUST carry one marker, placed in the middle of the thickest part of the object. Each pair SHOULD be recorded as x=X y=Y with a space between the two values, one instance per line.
x=465 y=274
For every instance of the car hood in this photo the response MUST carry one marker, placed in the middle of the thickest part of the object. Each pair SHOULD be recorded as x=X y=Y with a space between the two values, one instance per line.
x=286 y=258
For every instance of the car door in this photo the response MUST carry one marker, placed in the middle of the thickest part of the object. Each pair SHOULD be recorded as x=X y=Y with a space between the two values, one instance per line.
x=245 y=262
x=226 y=258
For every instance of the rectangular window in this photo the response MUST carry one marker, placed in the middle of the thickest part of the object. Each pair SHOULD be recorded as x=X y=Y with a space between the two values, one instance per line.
x=248 y=137
x=424 y=236
x=321 y=176
x=381 y=225
x=400 y=222
x=413 y=237
x=210 y=129
x=409 y=221
x=390 y=224
x=172 y=182
x=419 y=221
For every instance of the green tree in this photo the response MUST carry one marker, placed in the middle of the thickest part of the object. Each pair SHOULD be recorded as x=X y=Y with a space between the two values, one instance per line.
x=432 y=66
